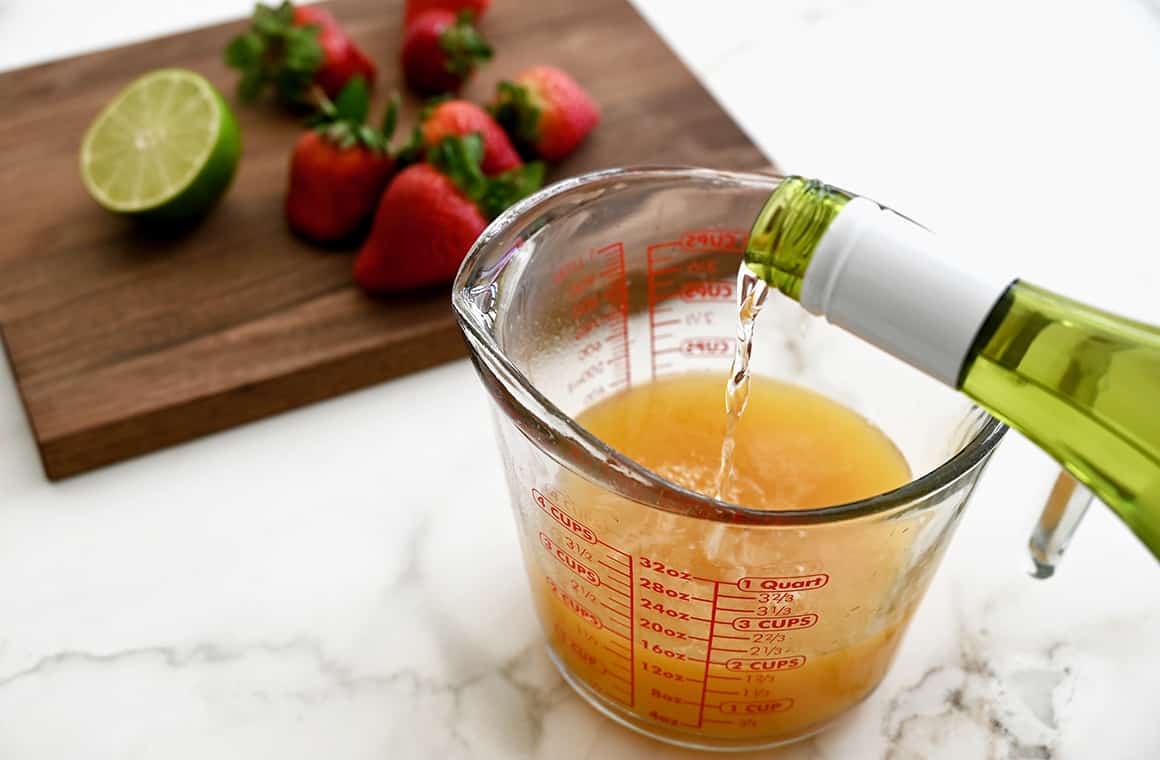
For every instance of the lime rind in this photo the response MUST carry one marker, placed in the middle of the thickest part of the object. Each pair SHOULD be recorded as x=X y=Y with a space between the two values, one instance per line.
x=166 y=146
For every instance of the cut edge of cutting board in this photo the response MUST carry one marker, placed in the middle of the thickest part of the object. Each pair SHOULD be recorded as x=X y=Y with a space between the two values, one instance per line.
x=194 y=418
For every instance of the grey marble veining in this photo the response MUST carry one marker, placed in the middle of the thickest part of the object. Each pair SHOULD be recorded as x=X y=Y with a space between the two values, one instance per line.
x=343 y=582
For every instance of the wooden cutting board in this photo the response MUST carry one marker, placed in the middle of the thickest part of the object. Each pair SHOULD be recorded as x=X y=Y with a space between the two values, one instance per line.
x=122 y=343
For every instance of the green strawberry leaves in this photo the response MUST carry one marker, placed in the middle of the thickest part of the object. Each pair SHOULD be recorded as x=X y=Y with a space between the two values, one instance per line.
x=275 y=54
x=463 y=45
x=353 y=103
x=343 y=121
x=517 y=113
x=511 y=186
x=459 y=157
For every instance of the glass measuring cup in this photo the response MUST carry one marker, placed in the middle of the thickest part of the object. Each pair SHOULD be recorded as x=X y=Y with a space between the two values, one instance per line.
x=692 y=620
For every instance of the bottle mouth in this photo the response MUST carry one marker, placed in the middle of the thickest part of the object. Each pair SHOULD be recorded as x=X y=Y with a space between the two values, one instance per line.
x=788 y=228
x=559 y=436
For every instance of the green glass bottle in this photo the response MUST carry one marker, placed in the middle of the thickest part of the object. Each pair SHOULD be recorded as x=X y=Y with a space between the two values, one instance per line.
x=1081 y=383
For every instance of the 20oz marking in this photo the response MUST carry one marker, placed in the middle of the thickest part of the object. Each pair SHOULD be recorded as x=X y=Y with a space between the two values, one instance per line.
x=655 y=627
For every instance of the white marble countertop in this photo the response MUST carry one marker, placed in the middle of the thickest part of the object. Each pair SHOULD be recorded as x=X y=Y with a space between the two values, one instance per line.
x=281 y=590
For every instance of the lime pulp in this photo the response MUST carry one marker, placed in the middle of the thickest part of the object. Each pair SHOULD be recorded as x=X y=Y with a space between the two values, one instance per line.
x=166 y=147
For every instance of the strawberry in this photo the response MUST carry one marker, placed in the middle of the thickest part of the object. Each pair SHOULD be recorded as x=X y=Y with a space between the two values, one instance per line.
x=415 y=7
x=299 y=52
x=440 y=50
x=462 y=117
x=433 y=212
x=338 y=169
x=545 y=111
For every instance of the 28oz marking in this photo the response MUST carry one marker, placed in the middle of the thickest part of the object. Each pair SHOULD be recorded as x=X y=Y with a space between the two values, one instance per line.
x=661 y=588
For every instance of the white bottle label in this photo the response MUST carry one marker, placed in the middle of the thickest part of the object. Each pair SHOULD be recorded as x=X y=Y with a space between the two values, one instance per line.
x=881 y=277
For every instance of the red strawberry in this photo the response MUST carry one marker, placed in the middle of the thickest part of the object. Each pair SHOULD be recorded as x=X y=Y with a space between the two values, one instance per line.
x=341 y=58
x=432 y=213
x=297 y=52
x=339 y=169
x=415 y=7
x=440 y=51
x=462 y=117
x=545 y=111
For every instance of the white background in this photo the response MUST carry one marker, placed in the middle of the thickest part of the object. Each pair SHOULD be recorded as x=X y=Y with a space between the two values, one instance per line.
x=271 y=591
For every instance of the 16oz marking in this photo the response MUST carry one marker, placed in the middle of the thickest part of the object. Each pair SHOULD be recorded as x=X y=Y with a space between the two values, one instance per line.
x=663 y=651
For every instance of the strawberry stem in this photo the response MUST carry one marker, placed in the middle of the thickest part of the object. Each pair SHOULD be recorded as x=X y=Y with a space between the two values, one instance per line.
x=276 y=54
x=460 y=156
x=463 y=45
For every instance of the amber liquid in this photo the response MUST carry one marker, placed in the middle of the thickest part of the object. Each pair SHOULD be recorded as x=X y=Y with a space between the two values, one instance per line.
x=709 y=632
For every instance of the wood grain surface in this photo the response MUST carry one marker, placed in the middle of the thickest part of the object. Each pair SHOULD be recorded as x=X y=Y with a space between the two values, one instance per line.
x=123 y=342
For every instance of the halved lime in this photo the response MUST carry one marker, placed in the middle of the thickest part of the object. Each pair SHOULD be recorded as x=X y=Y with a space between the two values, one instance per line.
x=165 y=148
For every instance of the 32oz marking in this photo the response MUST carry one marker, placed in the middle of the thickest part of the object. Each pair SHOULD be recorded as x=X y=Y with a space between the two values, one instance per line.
x=660 y=567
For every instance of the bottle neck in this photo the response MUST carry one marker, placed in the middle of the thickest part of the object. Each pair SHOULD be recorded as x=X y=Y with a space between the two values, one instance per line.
x=788 y=229
x=873 y=273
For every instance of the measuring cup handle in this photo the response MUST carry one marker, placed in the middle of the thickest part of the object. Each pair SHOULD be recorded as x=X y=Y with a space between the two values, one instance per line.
x=1066 y=505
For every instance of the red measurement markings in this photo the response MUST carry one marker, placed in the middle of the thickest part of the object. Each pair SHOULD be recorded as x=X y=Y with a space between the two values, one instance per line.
x=617 y=338
x=668 y=720
x=569 y=523
x=708 y=348
x=756 y=708
x=785 y=583
x=681 y=274
x=596 y=285
x=708 y=656
x=666 y=696
x=784 y=623
x=698 y=291
x=730 y=240
x=568 y=561
x=663 y=260
x=768 y=665
x=585 y=614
